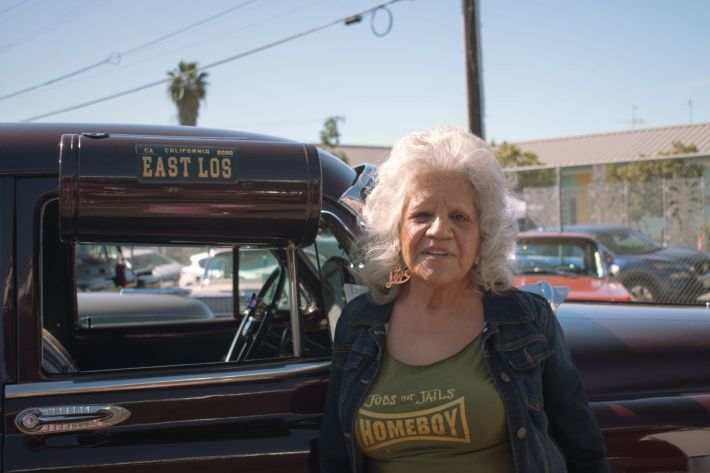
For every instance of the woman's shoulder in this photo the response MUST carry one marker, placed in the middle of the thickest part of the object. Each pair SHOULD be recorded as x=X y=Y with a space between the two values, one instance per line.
x=359 y=314
x=515 y=304
x=362 y=310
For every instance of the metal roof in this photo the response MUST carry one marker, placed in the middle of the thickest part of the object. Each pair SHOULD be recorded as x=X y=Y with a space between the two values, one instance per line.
x=621 y=146
x=631 y=145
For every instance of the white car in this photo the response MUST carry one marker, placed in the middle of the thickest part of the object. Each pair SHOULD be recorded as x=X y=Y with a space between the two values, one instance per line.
x=191 y=275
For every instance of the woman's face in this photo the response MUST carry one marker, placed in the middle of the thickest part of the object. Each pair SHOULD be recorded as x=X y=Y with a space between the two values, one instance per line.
x=440 y=232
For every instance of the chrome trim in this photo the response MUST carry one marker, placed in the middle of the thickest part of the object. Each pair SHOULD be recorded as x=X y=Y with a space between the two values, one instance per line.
x=78 y=386
x=59 y=419
x=293 y=289
x=354 y=198
x=339 y=221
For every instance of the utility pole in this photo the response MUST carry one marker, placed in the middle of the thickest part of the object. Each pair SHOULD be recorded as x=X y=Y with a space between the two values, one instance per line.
x=474 y=83
x=690 y=111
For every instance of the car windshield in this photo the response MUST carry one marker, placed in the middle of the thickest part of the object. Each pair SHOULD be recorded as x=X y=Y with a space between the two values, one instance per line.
x=556 y=257
x=148 y=259
x=628 y=242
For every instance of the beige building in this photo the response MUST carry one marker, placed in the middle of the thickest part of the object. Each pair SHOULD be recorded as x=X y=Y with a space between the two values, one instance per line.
x=583 y=150
x=583 y=195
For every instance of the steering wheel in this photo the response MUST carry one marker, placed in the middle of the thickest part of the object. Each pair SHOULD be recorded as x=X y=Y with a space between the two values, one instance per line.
x=256 y=324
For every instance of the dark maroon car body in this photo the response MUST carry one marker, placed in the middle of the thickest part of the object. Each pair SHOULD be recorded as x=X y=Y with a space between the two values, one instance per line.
x=646 y=369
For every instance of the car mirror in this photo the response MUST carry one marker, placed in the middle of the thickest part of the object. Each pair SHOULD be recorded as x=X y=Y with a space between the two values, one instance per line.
x=614 y=269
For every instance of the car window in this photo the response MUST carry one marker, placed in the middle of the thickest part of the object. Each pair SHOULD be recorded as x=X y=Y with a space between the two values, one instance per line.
x=628 y=242
x=556 y=258
x=143 y=306
x=149 y=260
x=336 y=277
x=256 y=267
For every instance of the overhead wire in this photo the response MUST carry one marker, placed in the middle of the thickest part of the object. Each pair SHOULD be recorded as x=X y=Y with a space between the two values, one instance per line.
x=214 y=64
x=68 y=17
x=188 y=27
x=162 y=54
x=228 y=33
x=28 y=6
x=115 y=58
x=13 y=6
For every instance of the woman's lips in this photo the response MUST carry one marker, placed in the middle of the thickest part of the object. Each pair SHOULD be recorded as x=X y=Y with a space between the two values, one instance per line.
x=435 y=252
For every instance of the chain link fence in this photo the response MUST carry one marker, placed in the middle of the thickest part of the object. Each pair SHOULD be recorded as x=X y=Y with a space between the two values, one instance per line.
x=671 y=265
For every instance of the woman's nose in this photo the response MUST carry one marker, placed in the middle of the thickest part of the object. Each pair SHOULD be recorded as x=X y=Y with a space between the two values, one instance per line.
x=439 y=228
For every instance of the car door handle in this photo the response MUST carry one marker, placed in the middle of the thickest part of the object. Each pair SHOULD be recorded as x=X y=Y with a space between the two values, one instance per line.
x=58 y=419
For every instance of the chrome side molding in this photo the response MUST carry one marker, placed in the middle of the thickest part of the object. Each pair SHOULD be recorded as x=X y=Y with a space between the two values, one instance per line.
x=80 y=385
x=59 y=419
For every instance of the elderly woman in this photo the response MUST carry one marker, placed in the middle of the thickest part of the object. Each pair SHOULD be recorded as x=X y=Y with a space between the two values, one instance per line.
x=443 y=366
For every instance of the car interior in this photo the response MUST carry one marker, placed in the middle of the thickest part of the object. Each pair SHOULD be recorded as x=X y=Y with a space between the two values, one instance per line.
x=261 y=330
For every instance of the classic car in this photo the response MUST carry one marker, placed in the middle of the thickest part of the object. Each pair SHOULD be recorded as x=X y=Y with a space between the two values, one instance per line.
x=191 y=274
x=650 y=271
x=246 y=393
x=572 y=260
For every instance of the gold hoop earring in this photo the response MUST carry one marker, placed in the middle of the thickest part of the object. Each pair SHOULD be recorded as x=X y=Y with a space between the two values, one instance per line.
x=398 y=276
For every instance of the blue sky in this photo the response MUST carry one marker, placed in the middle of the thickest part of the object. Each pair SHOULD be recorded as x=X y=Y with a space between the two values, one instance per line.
x=551 y=68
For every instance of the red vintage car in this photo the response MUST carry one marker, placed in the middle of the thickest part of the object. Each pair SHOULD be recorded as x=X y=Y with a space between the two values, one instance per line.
x=572 y=260
x=169 y=387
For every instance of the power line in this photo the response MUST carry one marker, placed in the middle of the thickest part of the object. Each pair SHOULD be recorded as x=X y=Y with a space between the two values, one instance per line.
x=214 y=64
x=115 y=58
x=68 y=17
x=188 y=27
x=13 y=6
x=152 y=58
x=192 y=44
x=25 y=10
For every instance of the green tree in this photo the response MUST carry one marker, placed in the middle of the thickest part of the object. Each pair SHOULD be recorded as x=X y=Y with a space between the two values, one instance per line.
x=187 y=89
x=330 y=136
x=652 y=170
x=668 y=188
x=510 y=156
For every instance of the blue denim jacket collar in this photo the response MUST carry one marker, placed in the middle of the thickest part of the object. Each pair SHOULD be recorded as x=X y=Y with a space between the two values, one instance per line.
x=497 y=310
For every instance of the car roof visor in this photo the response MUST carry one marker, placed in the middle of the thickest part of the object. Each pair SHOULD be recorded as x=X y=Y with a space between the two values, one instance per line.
x=188 y=190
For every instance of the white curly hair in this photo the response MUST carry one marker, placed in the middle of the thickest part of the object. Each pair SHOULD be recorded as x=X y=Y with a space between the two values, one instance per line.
x=442 y=149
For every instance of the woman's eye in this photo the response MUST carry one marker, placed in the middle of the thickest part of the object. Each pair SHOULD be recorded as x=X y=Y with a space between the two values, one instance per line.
x=419 y=216
x=459 y=217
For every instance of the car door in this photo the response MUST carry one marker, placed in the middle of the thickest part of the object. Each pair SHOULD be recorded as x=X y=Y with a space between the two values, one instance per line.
x=249 y=415
x=7 y=216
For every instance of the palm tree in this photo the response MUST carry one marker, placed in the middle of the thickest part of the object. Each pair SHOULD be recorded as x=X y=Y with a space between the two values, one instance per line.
x=187 y=89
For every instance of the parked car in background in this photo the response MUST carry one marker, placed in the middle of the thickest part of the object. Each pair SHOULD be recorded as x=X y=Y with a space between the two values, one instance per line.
x=217 y=284
x=191 y=274
x=102 y=268
x=648 y=270
x=574 y=260
x=147 y=262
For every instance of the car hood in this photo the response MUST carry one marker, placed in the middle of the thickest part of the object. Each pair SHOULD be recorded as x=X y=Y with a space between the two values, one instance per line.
x=581 y=288
x=670 y=254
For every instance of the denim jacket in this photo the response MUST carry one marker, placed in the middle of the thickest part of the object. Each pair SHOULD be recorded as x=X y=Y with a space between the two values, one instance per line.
x=550 y=425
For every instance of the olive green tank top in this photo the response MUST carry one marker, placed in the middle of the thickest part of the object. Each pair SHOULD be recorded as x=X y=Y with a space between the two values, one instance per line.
x=425 y=418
